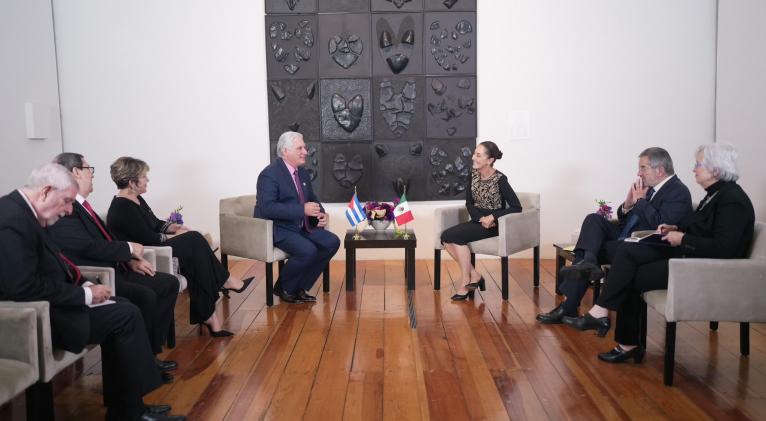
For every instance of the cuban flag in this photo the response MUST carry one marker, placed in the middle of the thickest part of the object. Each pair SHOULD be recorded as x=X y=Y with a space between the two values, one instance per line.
x=355 y=211
x=402 y=212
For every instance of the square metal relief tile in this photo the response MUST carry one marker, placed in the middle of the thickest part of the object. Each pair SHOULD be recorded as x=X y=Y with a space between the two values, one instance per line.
x=313 y=164
x=291 y=6
x=397 y=44
x=347 y=6
x=450 y=5
x=450 y=107
x=344 y=45
x=397 y=5
x=345 y=166
x=294 y=106
x=398 y=107
x=397 y=164
x=345 y=107
x=448 y=167
x=291 y=46
x=450 y=43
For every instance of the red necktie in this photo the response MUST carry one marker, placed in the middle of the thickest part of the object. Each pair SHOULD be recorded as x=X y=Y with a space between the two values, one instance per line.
x=95 y=219
x=302 y=198
x=73 y=269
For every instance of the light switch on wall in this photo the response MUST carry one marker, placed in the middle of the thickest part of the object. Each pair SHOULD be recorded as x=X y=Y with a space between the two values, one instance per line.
x=518 y=125
x=38 y=120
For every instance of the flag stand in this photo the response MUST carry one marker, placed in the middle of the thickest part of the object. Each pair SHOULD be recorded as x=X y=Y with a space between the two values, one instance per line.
x=356 y=227
x=405 y=236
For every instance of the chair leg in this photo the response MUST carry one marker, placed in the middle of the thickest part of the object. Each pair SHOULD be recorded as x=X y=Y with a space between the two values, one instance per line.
x=269 y=283
x=326 y=278
x=39 y=399
x=714 y=326
x=473 y=260
x=225 y=260
x=744 y=338
x=642 y=324
x=536 y=266
x=504 y=270
x=437 y=269
x=670 y=351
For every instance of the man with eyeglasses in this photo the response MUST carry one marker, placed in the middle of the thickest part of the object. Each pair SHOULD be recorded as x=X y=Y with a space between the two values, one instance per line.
x=657 y=197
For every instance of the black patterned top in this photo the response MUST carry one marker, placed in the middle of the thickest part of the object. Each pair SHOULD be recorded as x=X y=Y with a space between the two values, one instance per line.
x=491 y=196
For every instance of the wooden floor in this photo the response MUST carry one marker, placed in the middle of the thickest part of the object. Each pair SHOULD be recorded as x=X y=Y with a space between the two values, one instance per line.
x=355 y=356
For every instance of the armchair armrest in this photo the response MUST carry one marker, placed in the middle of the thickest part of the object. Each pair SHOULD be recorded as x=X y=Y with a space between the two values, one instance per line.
x=716 y=289
x=518 y=231
x=248 y=237
x=18 y=328
x=446 y=217
x=163 y=258
x=104 y=275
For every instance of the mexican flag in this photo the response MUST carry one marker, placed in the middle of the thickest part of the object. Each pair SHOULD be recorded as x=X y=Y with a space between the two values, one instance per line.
x=402 y=212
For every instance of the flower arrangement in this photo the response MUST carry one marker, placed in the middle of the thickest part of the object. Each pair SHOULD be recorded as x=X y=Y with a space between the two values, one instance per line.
x=176 y=217
x=604 y=209
x=379 y=211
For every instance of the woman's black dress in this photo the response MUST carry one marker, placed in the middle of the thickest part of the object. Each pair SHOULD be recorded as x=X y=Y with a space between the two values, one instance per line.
x=206 y=275
x=483 y=197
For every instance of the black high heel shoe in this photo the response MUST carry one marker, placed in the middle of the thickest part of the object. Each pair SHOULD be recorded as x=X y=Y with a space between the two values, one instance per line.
x=458 y=297
x=587 y=322
x=245 y=283
x=618 y=355
x=216 y=334
x=474 y=285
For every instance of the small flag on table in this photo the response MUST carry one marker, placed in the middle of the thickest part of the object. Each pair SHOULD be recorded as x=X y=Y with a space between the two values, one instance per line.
x=402 y=212
x=355 y=211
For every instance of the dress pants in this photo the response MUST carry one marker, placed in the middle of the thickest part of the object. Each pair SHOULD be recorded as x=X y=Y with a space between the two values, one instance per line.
x=155 y=297
x=636 y=268
x=309 y=253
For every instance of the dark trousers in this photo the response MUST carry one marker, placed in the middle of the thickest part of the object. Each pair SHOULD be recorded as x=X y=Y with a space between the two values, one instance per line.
x=155 y=297
x=598 y=237
x=309 y=253
x=636 y=268
x=129 y=371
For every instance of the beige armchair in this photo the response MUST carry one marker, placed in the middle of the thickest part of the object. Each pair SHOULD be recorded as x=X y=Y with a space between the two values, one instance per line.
x=517 y=232
x=18 y=356
x=245 y=236
x=711 y=289
x=51 y=361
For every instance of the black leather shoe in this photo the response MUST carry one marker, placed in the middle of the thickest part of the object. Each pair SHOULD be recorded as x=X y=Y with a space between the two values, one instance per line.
x=158 y=409
x=167 y=378
x=554 y=316
x=167 y=365
x=593 y=270
x=277 y=289
x=303 y=295
x=289 y=298
x=161 y=417
x=618 y=355
x=458 y=297
x=587 y=322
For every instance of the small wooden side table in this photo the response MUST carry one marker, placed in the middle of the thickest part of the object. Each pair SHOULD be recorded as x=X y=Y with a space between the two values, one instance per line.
x=379 y=239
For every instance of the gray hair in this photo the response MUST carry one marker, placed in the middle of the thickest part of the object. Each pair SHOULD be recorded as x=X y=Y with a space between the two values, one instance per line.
x=69 y=160
x=286 y=141
x=54 y=175
x=720 y=159
x=659 y=157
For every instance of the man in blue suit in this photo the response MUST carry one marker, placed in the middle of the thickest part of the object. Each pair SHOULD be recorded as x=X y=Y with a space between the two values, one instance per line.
x=657 y=197
x=286 y=197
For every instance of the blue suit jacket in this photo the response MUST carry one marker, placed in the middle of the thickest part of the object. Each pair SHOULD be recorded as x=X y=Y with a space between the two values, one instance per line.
x=668 y=206
x=277 y=199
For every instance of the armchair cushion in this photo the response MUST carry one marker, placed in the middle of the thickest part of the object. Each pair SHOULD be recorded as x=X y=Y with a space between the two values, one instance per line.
x=18 y=355
x=161 y=257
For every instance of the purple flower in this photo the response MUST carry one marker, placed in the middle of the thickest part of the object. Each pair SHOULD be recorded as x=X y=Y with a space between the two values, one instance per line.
x=176 y=217
x=379 y=211
x=604 y=209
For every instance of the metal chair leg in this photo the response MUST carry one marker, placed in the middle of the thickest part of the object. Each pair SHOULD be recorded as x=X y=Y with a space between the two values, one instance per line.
x=504 y=270
x=269 y=284
x=714 y=326
x=536 y=266
x=744 y=338
x=670 y=351
x=437 y=269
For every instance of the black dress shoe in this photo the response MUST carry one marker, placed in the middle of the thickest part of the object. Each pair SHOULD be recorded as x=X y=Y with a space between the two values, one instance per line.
x=463 y=297
x=277 y=289
x=167 y=378
x=554 y=316
x=289 y=298
x=161 y=417
x=618 y=355
x=303 y=295
x=158 y=409
x=593 y=270
x=167 y=365
x=587 y=322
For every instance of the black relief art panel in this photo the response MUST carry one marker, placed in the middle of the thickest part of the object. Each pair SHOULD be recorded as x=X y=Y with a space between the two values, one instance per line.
x=345 y=166
x=291 y=6
x=451 y=107
x=294 y=106
x=344 y=45
x=313 y=163
x=448 y=165
x=450 y=45
x=291 y=47
x=398 y=44
x=398 y=107
x=348 y=6
x=397 y=5
x=345 y=108
x=398 y=165
x=450 y=5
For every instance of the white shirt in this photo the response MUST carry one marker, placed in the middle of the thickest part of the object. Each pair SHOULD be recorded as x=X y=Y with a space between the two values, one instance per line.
x=660 y=184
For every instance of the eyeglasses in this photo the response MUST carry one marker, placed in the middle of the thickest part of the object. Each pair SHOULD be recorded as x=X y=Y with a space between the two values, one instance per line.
x=92 y=169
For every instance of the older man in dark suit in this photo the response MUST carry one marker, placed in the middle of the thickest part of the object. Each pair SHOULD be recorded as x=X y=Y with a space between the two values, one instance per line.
x=657 y=197
x=286 y=197
x=32 y=268
x=85 y=239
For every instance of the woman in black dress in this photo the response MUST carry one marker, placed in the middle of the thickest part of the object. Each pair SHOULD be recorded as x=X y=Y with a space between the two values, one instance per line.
x=488 y=197
x=720 y=228
x=131 y=219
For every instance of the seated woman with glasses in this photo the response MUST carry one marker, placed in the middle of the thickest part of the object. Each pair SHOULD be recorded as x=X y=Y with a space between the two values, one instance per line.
x=131 y=219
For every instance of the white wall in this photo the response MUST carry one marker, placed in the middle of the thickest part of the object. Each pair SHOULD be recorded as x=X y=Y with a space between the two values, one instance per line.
x=27 y=74
x=741 y=104
x=182 y=84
